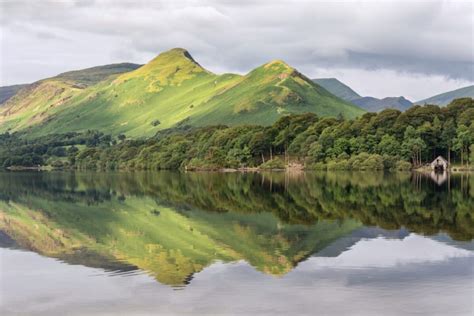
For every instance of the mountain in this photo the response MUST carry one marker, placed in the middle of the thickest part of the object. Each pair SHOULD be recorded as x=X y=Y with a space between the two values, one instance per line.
x=8 y=91
x=268 y=92
x=370 y=104
x=171 y=89
x=447 y=97
x=338 y=88
x=35 y=102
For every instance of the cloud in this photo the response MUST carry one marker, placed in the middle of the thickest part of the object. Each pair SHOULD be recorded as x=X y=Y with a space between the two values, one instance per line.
x=427 y=38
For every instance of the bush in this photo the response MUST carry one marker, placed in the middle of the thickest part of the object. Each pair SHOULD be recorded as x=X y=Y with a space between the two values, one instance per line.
x=319 y=166
x=338 y=165
x=365 y=161
x=389 y=162
x=402 y=165
x=374 y=162
x=357 y=161
x=201 y=164
x=57 y=164
x=275 y=163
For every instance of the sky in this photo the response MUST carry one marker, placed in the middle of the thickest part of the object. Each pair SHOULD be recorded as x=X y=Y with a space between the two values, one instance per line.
x=379 y=48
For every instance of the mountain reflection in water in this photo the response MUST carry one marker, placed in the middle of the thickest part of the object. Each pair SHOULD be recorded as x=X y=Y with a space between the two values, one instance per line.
x=173 y=225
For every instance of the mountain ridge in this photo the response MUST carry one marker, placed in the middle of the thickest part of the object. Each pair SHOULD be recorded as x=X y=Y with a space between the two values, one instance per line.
x=6 y=92
x=372 y=104
x=338 y=88
x=446 y=97
x=368 y=103
x=171 y=89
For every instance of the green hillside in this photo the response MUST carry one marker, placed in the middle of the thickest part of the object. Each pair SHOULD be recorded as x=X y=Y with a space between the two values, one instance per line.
x=171 y=89
x=447 y=97
x=337 y=88
x=268 y=92
x=34 y=103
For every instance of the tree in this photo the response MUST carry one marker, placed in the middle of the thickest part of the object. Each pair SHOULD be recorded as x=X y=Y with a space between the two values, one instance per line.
x=316 y=152
x=388 y=146
x=259 y=144
x=471 y=156
x=341 y=145
x=463 y=141
x=447 y=137
x=413 y=145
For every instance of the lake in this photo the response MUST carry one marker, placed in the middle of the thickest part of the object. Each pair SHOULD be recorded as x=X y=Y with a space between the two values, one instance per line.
x=169 y=243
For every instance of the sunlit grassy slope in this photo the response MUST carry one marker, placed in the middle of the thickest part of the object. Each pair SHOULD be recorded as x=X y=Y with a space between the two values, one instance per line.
x=171 y=89
x=34 y=104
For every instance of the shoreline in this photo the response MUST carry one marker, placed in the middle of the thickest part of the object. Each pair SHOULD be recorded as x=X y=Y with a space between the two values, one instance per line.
x=238 y=170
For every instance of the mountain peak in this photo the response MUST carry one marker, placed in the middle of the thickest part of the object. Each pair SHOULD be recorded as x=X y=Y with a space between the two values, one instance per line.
x=179 y=52
x=274 y=68
x=175 y=64
x=174 y=55
x=278 y=64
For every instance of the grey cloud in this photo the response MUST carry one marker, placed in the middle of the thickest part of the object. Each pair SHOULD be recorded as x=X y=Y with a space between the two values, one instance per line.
x=428 y=37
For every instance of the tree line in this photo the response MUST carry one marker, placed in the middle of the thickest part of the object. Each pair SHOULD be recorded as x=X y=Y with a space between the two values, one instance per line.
x=386 y=140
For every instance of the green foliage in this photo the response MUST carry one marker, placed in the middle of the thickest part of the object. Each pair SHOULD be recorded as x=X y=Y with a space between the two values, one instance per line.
x=413 y=145
x=402 y=165
x=463 y=141
x=275 y=163
x=471 y=157
x=389 y=145
x=18 y=151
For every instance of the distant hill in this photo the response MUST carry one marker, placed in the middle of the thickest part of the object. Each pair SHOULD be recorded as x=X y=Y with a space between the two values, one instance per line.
x=8 y=91
x=171 y=89
x=338 y=88
x=447 y=97
x=370 y=104
x=91 y=76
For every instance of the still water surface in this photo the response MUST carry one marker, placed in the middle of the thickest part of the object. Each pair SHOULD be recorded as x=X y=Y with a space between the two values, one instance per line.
x=236 y=244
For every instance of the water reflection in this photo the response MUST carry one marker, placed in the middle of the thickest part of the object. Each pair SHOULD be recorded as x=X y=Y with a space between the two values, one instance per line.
x=439 y=177
x=173 y=225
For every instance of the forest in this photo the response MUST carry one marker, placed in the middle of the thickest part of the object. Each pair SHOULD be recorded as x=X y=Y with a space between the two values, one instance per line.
x=389 y=139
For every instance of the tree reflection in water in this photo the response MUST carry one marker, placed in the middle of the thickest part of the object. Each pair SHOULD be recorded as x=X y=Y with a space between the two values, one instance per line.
x=175 y=224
